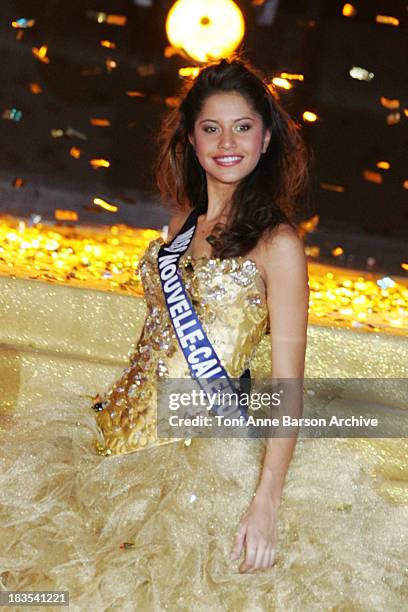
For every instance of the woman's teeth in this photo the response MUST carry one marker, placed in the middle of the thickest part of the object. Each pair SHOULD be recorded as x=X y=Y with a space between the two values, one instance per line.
x=228 y=160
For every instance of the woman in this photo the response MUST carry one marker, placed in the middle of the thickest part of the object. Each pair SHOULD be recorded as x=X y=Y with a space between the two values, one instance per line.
x=231 y=153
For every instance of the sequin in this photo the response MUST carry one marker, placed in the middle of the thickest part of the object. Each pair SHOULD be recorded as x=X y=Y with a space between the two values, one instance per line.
x=224 y=292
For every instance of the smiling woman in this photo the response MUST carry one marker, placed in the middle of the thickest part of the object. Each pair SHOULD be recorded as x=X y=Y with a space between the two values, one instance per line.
x=235 y=167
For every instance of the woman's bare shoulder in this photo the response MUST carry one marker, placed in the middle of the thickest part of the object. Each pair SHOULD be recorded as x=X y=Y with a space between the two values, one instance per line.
x=282 y=248
x=282 y=239
x=176 y=222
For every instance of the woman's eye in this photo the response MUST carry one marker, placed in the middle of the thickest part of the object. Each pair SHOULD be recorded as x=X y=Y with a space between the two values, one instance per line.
x=246 y=126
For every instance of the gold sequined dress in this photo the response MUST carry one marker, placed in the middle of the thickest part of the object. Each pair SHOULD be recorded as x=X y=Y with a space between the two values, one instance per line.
x=229 y=298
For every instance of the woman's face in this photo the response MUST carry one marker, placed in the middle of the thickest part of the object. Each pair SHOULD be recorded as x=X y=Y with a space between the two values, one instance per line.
x=228 y=138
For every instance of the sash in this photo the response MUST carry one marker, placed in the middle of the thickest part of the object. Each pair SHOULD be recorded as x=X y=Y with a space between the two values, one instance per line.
x=203 y=362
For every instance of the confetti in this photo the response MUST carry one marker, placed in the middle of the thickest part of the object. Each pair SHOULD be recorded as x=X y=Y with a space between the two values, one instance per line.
x=66 y=215
x=106 y=258
x=99 y=17
x=23 y=23
x=188 y=72
x=110 y=64
x=331 y=187
x=361 y=74
x=13 y=114
x=135 y=94
x=18 y=183
x=387 y=19
x=100 y=122
x=105 y=205
x=372 y=177
x=292 y=76
x=35 y=88
x=99 y=163
x=283 y=83
x=41 y=54
x=74 y=133
x=389 y=103
x=349 y=10
x=385 y=282
x=393 y=118
x=75 y=152
x=310 y=116
x=108 y=44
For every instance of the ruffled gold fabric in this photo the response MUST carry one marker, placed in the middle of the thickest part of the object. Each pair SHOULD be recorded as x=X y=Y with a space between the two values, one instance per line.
x=229 y=298
x=66 y=512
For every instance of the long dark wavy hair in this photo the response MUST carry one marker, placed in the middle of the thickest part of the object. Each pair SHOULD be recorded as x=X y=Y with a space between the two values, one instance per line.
x=278 y=188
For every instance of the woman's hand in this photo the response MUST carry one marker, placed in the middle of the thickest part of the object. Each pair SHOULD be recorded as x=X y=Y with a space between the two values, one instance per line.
x=258 y=532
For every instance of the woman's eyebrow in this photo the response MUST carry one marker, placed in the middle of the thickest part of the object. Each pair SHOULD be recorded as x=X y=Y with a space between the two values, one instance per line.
x=215 y=121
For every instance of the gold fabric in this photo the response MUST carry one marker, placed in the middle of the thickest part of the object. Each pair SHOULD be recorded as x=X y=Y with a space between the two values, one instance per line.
x=229 y=298
x=66 y=512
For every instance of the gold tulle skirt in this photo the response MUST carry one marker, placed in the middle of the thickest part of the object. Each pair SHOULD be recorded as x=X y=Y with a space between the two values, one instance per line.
x=66 y=514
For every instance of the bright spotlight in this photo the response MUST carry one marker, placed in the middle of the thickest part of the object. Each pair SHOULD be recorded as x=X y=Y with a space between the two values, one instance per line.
x=205 y=29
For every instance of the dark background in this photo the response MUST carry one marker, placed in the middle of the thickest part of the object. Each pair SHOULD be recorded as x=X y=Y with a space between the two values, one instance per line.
x=309 y=37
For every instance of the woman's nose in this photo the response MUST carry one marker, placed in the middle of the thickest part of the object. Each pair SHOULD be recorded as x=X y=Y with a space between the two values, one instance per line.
x=226 y=141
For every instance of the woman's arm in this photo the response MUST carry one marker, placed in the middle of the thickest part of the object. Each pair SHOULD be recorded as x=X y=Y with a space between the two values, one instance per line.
x=284 y=266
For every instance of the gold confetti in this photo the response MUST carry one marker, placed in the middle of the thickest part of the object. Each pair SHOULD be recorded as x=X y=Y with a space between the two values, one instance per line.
x=312 y=251
x=57 y=133
x=100 y=17
x=75 y=152
x=135 y=94
x=189 y=71
x=283 y=83
x=99 y=163
x=372 y=177
x=387 y=19
x=35 y=88
x=98 y=257
x=393 y=118
x=105 y=205
x=384 y=165
x=330 y=187
x=66 y=215
x=108 y=44
x=349 y=10
x=41 y=54
x=292 y=76
x=310 y=116
x=110 y=64
x=100 y=122
x=337 y=251
x=310 y=224
x=390 y=103
x=119 y=20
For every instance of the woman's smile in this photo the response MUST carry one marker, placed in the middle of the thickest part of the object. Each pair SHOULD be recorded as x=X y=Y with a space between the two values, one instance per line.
x=228 y=160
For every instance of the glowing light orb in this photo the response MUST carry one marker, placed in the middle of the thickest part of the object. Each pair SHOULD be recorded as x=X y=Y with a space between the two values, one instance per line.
x=205 y=29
